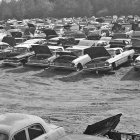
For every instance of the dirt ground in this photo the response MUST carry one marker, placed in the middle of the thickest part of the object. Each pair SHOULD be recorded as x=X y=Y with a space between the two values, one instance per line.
x=73 y=100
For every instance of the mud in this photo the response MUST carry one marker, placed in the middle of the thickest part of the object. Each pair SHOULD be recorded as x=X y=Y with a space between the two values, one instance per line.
x=73 y=99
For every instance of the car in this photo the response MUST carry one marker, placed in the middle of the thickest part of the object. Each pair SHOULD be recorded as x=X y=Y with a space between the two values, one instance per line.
x=43 y=55
x=78 y=35
x=120 y=35
x=137 y=64
x=119 y=56
x=126 y=41
x=107 y=39
x=5 y=50
x=85 y=43
x=72 y=59
x=102 y=43
x=18 y=60
x=17 y=126
x=99 y=61
x=122 y=43
x=20 y=53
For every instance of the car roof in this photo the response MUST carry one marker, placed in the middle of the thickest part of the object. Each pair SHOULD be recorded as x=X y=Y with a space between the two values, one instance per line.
x=78 y=47
x=13 y=122
x=31 y=41
x=114 y=49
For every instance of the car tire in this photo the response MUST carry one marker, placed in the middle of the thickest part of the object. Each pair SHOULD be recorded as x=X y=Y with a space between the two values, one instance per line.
x=24 y=61
x=114 y=66
x=79 y=67
x=129 y=59
x=136 y=69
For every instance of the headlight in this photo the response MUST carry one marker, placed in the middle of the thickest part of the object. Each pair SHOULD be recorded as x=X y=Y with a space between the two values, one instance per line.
x=106 y=64
x=51 y=63
x=72 y=65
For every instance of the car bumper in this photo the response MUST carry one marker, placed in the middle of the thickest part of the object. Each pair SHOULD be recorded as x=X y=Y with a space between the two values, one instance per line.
x=105 y=68
x=37 y=64
x=13 y=64
x=63 y=67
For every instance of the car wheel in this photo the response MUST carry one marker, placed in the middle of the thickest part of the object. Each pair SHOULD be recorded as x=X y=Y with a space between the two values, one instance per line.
x=130 y=59
x=136 y=69
x=79 y=67
x=114 y=66
x=24 y=61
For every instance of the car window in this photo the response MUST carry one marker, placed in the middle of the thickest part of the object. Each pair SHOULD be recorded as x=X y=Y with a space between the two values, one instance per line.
x=117 y=52
x=35 y=131
x=20 y=136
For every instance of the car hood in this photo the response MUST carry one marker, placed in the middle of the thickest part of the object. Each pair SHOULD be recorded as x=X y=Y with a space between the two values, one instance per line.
x=65 y=59
x=104 y=126
x=96 y=52
x=41 y=49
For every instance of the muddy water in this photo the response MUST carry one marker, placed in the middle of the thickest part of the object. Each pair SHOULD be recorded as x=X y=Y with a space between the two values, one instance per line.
x=73 y=100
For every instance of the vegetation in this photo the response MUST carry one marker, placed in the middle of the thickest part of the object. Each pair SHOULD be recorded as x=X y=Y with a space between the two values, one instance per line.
x=66 y=8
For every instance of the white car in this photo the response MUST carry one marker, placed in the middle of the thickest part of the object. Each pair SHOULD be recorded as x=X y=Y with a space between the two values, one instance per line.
x=119 y=56
x=16 y=126
x=74 y=58
x=137 y=64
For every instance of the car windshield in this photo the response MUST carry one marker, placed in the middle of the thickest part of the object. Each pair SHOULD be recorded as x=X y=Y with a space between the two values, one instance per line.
x=111 y=52
x=3 y=136
x=20 y=49
x=75 y=51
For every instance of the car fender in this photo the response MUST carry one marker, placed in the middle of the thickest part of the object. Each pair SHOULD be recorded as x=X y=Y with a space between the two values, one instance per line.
x=82 y=60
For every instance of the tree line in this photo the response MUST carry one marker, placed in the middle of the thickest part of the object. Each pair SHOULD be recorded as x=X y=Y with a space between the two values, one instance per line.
x=20 y=9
